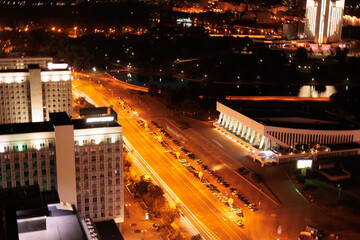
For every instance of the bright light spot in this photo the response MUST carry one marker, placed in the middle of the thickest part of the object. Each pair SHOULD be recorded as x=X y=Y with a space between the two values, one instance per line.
x=52 y=66
x=100 y=119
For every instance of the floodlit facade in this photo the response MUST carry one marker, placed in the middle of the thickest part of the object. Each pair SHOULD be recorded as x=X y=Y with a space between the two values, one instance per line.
x=22 y=63
x=29 y=94
x=81 y=159
x=323 y=20
x=265 y=136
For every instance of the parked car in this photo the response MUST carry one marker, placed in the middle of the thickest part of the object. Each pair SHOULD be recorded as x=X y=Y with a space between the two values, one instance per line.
x=186 y=164
x=239 y=223
x=252 y=207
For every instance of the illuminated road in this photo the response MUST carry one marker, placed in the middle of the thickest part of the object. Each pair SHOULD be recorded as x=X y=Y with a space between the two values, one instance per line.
x=208 y=214
x=201 y=209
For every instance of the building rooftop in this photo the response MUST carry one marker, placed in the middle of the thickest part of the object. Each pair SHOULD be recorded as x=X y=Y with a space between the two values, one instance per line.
x=60 y=224
x=17 y=128
x=28 y=216
x=59 y=119
x=83 y=124
x=302 y=114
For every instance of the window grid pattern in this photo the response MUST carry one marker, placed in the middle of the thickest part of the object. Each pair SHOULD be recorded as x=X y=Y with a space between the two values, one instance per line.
x=27 y=164
x=15 y=102
x=99 y=176
x=57 y=97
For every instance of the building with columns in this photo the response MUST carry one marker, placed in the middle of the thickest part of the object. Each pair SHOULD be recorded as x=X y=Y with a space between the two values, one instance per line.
x=273 y=131
x=323 y=20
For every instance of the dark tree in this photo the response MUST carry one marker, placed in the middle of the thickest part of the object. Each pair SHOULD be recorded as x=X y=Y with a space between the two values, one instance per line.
x=301 y=54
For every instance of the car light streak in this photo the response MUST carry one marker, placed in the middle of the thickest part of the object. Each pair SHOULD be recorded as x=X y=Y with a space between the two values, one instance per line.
x=171 y=196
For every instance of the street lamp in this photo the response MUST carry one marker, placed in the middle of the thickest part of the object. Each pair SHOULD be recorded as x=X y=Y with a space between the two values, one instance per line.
x=143 y=231
x=127 y=206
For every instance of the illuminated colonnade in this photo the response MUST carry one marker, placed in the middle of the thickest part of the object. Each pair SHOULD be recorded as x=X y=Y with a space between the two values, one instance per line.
x=244 y=132
x=264 y=136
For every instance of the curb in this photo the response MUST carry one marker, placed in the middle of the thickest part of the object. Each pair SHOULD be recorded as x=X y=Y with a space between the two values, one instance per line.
x=296 y=188
x=259 y=189
x=314 y=204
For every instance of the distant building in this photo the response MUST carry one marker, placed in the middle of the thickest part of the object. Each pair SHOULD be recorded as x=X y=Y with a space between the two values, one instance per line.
x=263 y=17
x=231 y=6
x=22 y=63
x=300 y=4
x=288 y=31
x=31 y=88
x=79 y=158
x=323 y=23
x=276 y=9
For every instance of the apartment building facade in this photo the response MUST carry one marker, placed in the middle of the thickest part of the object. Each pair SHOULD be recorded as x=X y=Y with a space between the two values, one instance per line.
x=29 y=94
x=81 y=159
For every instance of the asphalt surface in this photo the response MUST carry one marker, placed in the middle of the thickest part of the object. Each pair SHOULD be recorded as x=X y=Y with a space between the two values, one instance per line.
x=207 y=213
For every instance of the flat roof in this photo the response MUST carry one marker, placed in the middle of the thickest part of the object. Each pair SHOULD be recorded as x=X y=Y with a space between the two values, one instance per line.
x=82 y=124
x=57 y=119
x=300 y=114
x=60 y=224
x=17 y=128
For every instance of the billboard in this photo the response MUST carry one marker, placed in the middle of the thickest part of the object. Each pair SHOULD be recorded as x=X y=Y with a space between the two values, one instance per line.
x=304 y=163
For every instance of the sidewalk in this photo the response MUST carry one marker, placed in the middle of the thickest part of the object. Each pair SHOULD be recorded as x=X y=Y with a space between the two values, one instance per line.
x=135 y=226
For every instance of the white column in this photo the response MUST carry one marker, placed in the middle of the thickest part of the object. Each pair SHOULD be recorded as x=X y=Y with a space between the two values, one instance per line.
x=227 y=122
x=223 y=120
x=243 y=131
x=248 y=133
x=236 y=123
x=252 y=136
x=262 y=142
x=220 y=117
x=257 y=139
x=239 y=128
x=231 y=124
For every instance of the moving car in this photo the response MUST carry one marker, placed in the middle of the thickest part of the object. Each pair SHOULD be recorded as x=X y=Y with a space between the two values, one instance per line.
x=239 y=223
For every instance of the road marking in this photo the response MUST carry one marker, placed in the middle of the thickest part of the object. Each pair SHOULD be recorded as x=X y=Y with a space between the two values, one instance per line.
x=217 y=143
x=174 y=132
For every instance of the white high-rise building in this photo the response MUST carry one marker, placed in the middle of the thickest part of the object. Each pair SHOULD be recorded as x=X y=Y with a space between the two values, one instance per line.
x=22 y=63
x=31 y=88
x=323 y=22
x=80 y=158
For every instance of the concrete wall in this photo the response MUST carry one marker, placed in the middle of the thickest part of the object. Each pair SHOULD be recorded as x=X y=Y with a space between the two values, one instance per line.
x=37 y=114
x=65 y=163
